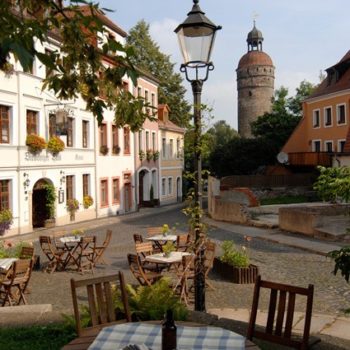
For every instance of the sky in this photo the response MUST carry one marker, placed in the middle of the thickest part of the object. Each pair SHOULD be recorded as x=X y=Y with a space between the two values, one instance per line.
x=302 y=37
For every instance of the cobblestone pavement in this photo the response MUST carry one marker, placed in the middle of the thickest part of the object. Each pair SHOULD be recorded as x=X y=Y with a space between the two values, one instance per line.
x=276 y=263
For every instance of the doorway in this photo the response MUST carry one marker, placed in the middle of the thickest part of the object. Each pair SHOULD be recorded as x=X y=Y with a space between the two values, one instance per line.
x=178 y=190
x=141 y=179
x=40 y=212
x=127 y=197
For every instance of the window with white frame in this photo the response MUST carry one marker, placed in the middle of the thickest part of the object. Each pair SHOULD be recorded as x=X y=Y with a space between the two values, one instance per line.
x=154 y=145
x=5 y=194
x=328 y=116
x=140 y=140
x=5 y=122
x=147 y=140
x=170 y=185
x=164 y=147
x=328 y=146
x=316 y=145
x=316 y=118
x=178 y=148
x=171 y=148
x=163 y=186
x=139 y=92
x=341 y=145
x=153 y=100
x=341 y=118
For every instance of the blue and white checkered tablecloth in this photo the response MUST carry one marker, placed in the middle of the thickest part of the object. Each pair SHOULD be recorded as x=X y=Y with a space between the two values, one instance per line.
x=188 y=338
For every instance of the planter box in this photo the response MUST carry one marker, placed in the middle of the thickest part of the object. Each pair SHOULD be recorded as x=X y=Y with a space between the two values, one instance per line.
x=241 y=275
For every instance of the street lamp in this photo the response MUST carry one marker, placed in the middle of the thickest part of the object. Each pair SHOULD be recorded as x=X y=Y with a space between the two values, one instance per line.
x=196 y=39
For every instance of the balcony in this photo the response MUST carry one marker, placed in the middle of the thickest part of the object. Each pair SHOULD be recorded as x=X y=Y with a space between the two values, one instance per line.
x=310 y=159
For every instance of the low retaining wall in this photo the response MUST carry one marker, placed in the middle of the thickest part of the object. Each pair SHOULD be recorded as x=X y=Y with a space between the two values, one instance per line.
x=229 y=211
x=306 y=219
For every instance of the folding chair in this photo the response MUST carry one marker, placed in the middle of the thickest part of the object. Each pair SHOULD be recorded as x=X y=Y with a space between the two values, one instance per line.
x=145 y=278
x=278 y=327
x=100 y=297
x=55 y=256
x=143 y=250
x=13 y=287
x=138 y=238
x=185 y=276
x=84 y=255
x=154 y=231
x=101 y=249
x=209 y=256
x=26 y=253
x=182 y=242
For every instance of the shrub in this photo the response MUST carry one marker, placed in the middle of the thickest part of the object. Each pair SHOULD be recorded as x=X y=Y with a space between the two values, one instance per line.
x=149 y=154
x=152 y=302
x=141 y=155
x=6 y=220
x=342 y=261
x=155 y=155
x=104 y=149
x=72 y=205
x=88 y=201
x=234 y=256
x=50 y=199
x=116 y=149
x=35 y=143
x=55 y=145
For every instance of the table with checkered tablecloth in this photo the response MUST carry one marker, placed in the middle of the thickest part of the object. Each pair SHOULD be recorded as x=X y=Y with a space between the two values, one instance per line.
x=209 y=338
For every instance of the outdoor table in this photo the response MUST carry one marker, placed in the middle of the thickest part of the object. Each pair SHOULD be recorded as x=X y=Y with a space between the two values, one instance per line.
x=209 y=338
x=174 y=258
x=70 y=245
x=6 y=263
x=160 y=240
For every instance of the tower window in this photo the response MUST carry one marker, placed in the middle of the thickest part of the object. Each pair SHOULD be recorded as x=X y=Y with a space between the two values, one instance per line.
x=250 y=94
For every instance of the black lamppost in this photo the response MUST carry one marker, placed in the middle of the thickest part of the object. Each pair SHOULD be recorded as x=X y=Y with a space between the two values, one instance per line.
x=196 y=38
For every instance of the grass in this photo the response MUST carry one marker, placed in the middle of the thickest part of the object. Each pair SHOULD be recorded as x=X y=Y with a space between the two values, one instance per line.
x=50 y=337
x=286 y=200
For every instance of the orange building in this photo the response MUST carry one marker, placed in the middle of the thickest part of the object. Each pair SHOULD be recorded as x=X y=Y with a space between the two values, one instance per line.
x=322 y=137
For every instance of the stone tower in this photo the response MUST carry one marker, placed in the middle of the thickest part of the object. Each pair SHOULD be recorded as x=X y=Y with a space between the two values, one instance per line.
x=255 y=83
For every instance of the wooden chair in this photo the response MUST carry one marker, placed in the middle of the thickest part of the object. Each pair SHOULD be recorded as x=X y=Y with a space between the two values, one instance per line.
x=100 y=304
x=279 y=327
x=142 y=250
x=138 y=238
x=185 y=276
x=26 y=253
x=99 y=250
x=86 y=254
x=55 y=256
x=209 y=256
x=182 y=242
x=13 y=287
x=145 y=278
x=154 y=230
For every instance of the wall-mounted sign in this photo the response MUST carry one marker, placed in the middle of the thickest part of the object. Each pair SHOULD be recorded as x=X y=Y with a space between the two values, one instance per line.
x=60 y=196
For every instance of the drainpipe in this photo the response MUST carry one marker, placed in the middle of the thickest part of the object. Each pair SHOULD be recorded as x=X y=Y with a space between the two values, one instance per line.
x=19 y=153
x=136 y=175
x=95 y=163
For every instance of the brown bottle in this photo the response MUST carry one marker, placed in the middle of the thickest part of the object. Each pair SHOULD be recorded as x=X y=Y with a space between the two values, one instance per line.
x=169 y=332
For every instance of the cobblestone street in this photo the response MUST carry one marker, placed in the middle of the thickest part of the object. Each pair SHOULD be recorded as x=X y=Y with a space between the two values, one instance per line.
x=276 y=262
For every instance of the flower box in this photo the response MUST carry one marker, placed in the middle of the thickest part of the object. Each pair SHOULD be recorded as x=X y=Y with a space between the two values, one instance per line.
x=240 y=275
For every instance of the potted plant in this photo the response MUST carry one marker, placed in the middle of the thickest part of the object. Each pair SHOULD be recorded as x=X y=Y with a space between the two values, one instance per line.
x=116 y=149
x=35 y=143
x=6 y=220
x=168 y=248
x=50 y=204
x=87 y=201
x=72 y=207
x=234 y=264
x=141 y=155
x=155 y=155
x=55 y=145
x=104 y=149
x=78 y=232
x=149 y=155
x=165 y=230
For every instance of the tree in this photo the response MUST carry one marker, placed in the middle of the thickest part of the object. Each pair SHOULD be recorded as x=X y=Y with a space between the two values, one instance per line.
x=286 y=113
x=77 y=67
x=241 y=156
x=148 y=57
x=221 y=133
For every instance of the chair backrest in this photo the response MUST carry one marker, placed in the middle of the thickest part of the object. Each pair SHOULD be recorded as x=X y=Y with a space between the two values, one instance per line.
x=137 y=270
x=182 y=242
x=138 y=238
x=144 y=248
x=26 y=253
x=47 y=246
x=278 y=327
x=108 y=238
x=100 y=301
x=156 y=230
x=21 y=271
x=209 y=255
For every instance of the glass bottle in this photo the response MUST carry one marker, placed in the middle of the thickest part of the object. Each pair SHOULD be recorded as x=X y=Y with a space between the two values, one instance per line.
x=169 y=332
